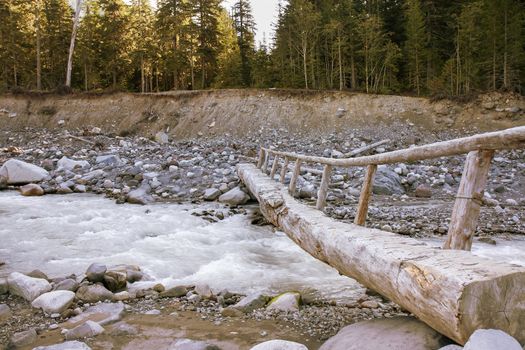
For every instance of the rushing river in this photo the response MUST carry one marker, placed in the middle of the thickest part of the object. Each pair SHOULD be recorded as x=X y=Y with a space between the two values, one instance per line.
x=61 y=235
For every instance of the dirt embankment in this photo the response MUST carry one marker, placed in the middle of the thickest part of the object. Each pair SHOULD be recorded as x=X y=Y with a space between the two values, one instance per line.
x=238 y=112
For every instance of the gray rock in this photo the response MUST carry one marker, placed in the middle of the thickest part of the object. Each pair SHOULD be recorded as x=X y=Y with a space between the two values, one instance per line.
x=175 y=292
x=54 y=302
x=188 y=344
x=5 y=313
x=20 y=173
x=115 y=280
x=123 y=328
x=285 y=302
x=93 y=293
x=31 y=190
x=234 y=197
x=87 y=329
x=387 y=182
x=251 y=302
x=37 y=274
x=109 y=159
x=27 y=287
x=397 y=333
x=4 y=287
x=140 y=196
x=423 y=191
x=68 y=345
x=67 y=284
x=278 y=344
x=3 y=182
x=491 y=339
x=95 y=272
x=211 y=194
x=70 y=164
x=203 y=290
x=21 y=339
x=162 y=138
x=104 y=313
x=451 y=347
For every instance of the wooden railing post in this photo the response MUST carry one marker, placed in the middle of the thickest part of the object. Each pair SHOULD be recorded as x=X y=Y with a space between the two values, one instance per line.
x=293 y=181
x=364 y=198
x=265 y=163
x=465 y=214
x=274 y=166
x=261 y=158
x=323 y=188
x=284 y=169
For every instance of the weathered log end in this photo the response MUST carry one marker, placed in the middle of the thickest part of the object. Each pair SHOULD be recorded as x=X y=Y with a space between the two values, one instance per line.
x=452 y=291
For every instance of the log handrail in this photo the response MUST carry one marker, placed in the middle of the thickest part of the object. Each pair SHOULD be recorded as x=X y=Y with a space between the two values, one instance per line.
x=464 y=222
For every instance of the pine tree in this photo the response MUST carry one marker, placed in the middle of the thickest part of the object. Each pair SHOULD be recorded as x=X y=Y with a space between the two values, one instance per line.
x=415 y=45
x=229 y=58
x=143 y=42
x=245 y=28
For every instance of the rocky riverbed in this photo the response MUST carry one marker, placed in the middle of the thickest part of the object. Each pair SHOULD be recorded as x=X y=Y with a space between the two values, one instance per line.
x=410 y=199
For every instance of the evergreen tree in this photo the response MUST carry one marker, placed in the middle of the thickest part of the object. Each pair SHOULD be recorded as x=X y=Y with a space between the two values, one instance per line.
x=229 y=58
x=415 y=45
x=142 y=40
x=245 y=28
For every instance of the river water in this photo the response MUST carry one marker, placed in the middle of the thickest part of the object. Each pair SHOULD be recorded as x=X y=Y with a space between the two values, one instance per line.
x=64 y=234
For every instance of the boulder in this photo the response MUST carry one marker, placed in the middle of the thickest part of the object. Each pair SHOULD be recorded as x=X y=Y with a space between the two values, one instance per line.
x=18 y=172
x=115 y=280
x=175 y=292
x=387 y=182
x=5 y=313
x=397 y=333
x=31 y=190
x=285 y=302
x=162 y=138
x=104 y=313
x=95 y=272
x=68 y=345
x=37 y=274
x=109 y=159
x=27 y=287
x=451 y=347
x=54 y=302
x=278 y=344
x=251 y=302
x=211 y=194
x=234 y=197
x=140 y=196
x=203 y=290
x=491 y=339
x=423 y=191
x=4 y=286
x=87 y=329
x=188 y=344
x=70 y=164
x=22 y=339
x=123 y=328
x=67 y=284
x=93 y=293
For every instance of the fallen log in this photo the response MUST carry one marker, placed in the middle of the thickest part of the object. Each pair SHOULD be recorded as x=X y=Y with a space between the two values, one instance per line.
x=363 y=149
x=452 y=291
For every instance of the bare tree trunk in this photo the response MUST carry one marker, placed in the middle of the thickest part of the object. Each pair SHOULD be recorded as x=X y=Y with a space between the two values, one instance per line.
x=305 y=66
x=505 y=53
x=72 y=44
x=142 y=73
x=86 y=86
x=38 y=62
x=341 y=80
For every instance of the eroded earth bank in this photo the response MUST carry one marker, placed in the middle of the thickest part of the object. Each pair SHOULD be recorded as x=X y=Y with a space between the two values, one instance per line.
x=180 y=151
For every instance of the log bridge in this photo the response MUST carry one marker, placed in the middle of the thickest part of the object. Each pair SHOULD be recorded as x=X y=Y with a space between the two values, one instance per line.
x=450 y=289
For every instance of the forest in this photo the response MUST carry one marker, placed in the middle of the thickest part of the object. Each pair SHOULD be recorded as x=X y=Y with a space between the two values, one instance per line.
x=416 y=47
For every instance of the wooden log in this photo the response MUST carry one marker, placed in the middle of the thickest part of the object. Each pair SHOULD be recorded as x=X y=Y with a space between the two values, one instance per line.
x=363 y=149
x=323 y=188
x=453 y=291
x=465 y=214
x=364 y=198
x=506 y=139
x=261 y=158
x=295 y=175
x=274 y=166
x=284 y=168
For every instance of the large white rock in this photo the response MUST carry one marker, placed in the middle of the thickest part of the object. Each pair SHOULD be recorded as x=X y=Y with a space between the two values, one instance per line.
x=285 y=302
x=70 y=164
x=104 y=313
x=27 y=287
x=20 y=173
x=69 y=345
x=277 y=344
x=54 y=302
x=491 y=339
x=397 y=333
x=87 y=329
x=189 y=344
x=235 y=196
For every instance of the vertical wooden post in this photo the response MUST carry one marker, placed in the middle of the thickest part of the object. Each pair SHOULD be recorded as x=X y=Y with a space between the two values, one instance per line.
x=293 y=181
x=266 y=160
x=465 y=214
x=364 y=198
x=261 y=158
x=274 y=166
x=284 y=169
x=323 y=188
